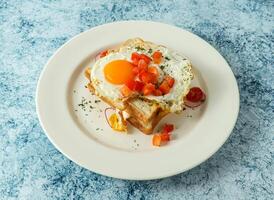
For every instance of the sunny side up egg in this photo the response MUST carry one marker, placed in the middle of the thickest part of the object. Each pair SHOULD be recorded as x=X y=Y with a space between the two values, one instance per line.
x=109 y=73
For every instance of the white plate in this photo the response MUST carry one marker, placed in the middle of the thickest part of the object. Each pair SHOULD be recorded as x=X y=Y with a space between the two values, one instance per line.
x=84 y=136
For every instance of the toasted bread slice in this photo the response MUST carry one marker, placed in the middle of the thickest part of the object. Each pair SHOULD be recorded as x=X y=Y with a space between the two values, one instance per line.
x=144 y=115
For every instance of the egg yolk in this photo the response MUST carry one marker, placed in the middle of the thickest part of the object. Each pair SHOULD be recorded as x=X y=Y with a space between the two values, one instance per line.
x=118 y=71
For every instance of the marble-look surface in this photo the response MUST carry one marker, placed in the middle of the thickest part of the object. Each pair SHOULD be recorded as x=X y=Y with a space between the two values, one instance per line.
x=30 y=32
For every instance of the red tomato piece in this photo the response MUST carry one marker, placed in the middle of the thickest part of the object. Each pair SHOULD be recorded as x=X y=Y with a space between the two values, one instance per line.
x=135 y=70
x=157 y=92
x=126 y=92
x=170 y=81
x=130 y=84
x=195 y=94
x=135 y=55
x=164 y=87
x=165 y=137
x=148 y=89
x=145 y=58
x=156 y=140
x=135 y=85
x=153 y=70
x=135 y=61
x=147 y=77
x=157 y=57
x=142 y=65
x=168 y=128
x=138 y=86
x=103 y=53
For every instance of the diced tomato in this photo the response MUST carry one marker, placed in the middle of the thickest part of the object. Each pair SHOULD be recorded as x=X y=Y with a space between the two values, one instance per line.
x=157 y=57
x=103 y=54
x=135 y=55
x=147 y=77
x=135 y=85
x=130 y=84
x=168 y=128
x=170 y=81
x=156 y=140
x=153 y=70
x=135 y=70
x=164 y=87
x=126 y=92
x=195 y=94
x=148 y=89
x=145 y=57
x=139 y=86
x=142 y=65
x=135 y=61
x=165 y=136
x=194 y=98
x=157 y=92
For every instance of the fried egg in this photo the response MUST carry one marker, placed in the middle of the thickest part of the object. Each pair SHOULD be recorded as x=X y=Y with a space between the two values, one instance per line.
x=109 y=73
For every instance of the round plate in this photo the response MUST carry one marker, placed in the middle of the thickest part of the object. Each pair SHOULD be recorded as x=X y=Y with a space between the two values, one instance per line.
x=74 y=121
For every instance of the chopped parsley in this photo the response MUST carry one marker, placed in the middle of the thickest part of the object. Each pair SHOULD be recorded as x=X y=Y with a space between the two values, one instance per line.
x=150 y=51
x=97 y=101
x=86 y=104
x=162 y=67
x=167 y=58
x=139 y=48
x=97 y=129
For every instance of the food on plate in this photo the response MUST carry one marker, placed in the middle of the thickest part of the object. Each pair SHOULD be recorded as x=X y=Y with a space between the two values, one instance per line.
x=144 y=82
x=163 y=137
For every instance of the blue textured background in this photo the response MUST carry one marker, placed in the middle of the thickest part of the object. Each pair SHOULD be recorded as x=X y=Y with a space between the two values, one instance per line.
x=30 y=32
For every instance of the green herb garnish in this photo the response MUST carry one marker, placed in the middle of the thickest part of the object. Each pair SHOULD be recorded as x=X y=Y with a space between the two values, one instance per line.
x=150 y=51
x=167 y=58
x=139 y=48
x=162 y=67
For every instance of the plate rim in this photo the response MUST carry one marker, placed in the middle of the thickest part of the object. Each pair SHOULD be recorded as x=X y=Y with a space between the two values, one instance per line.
x=235 y=117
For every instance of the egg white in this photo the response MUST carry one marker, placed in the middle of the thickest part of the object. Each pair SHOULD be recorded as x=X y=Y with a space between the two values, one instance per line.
x=173 y=64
